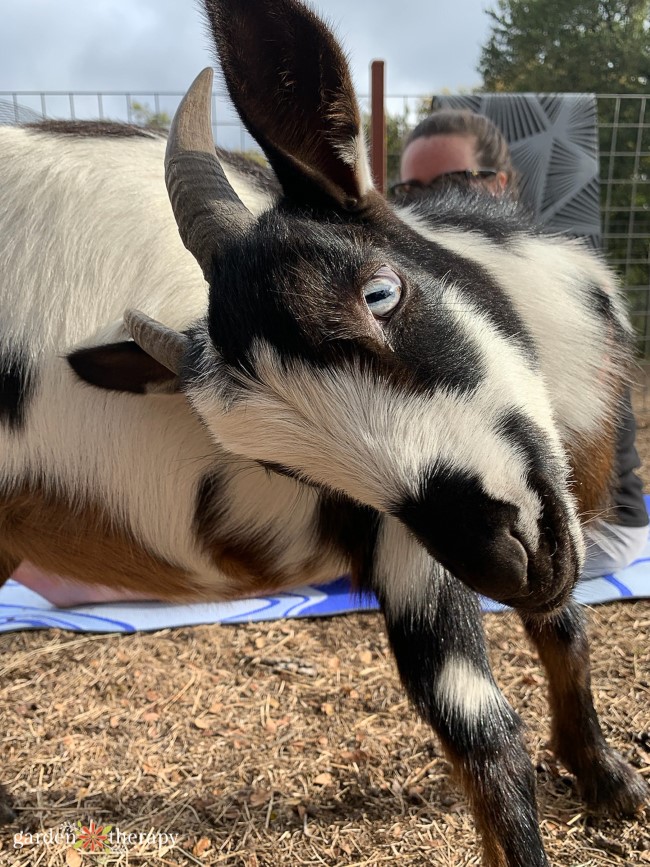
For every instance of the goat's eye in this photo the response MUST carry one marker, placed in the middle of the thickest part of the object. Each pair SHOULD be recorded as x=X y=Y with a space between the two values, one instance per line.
x=382 y=294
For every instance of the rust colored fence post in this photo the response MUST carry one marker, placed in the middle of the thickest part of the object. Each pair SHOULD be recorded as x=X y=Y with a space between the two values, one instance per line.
x=377 y=125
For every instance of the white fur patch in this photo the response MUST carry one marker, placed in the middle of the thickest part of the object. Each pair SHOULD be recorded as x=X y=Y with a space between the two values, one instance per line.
x=354 y=154
x=143 y=459
x=547 y=279
x=86 y=230
x=462 y=689
x=404 y=570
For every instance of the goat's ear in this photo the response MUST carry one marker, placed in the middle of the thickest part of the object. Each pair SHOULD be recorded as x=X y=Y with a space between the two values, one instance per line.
x=123 y=367
x=289 y=79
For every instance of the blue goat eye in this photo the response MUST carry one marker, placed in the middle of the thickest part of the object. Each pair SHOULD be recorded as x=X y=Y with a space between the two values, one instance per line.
x=383 y=292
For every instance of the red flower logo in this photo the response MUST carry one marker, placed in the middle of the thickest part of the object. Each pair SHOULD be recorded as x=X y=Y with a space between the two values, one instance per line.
x=92 y=837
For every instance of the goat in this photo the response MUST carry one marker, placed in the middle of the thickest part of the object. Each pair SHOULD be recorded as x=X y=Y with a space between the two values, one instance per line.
x=424 y=398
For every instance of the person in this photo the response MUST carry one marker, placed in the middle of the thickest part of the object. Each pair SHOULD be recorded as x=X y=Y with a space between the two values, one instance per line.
x=460 y=148
x=454 y=146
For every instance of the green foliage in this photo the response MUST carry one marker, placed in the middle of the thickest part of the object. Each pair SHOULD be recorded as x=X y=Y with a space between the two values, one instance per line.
x=398 y=127
x=600 y=46
x=254 y=156
x=143 y=116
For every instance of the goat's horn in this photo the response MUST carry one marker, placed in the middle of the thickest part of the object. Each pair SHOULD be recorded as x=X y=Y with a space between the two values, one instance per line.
x=206 y=207
x=160 y=342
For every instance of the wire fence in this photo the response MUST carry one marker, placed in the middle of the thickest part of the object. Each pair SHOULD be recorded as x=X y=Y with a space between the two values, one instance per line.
x=624 y=146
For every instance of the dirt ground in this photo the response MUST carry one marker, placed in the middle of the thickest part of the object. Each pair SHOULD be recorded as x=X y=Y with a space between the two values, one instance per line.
x=285 y=744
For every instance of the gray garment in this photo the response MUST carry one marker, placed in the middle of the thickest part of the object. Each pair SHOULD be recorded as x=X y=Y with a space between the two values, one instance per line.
x=611 y=547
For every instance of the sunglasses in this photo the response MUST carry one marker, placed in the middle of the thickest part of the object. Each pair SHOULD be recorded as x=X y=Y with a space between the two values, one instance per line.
x=406 y=188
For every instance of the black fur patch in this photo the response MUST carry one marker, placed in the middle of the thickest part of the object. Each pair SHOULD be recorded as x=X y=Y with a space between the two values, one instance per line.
x=600 y=301
x=531 y=441
x=498 y=218
x=16 y=387
x=443 y=266
x=487 y=750
x=297 y=283
x=352 y=529
x=555 y=555
x=424 y=640
x=466 y=531
x=93 y=129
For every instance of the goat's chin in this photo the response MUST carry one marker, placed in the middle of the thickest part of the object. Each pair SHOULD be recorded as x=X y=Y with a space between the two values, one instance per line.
x=548 y=586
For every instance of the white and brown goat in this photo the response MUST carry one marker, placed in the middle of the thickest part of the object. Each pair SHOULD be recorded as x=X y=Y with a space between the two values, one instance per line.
x=423 y=398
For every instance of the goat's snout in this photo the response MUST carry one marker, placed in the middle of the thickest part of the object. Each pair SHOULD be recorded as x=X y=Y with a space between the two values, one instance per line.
x=478 y=540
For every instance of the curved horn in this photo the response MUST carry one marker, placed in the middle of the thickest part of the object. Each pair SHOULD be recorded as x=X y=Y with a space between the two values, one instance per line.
x=160 y=342
x=207 y=209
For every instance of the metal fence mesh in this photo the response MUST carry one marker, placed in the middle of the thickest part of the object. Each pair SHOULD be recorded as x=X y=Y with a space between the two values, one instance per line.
x=624 y=135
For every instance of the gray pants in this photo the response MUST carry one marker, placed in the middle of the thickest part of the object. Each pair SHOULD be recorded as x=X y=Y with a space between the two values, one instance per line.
x=611 y=547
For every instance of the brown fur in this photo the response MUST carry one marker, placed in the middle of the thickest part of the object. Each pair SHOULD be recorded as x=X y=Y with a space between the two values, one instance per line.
x=592 y=472
x=85 y=544
x=249 y=561
x=489 y=799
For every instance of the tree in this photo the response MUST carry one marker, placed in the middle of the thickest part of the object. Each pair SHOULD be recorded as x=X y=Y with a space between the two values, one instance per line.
x=144 y=116
x=600 y=46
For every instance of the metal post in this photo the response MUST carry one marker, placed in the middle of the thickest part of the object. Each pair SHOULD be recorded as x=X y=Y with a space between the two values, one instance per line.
x=377 y=125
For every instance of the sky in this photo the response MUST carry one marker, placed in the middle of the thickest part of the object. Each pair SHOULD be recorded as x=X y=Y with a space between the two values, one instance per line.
x=160 y=45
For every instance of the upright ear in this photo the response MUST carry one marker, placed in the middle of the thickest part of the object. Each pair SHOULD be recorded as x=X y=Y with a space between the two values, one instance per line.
x=290 y=83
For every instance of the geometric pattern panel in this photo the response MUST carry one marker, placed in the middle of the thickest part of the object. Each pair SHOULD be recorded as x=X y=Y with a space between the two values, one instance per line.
x=553 y=139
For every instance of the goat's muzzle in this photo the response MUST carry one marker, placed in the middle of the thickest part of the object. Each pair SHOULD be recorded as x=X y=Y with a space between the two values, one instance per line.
x=477 y=539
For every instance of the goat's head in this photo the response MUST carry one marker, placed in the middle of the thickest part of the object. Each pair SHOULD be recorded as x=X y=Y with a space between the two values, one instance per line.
x=341 y=346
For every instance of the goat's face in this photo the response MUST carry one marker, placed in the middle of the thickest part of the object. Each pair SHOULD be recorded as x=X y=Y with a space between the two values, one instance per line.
x=346 y=354
x=344 y=348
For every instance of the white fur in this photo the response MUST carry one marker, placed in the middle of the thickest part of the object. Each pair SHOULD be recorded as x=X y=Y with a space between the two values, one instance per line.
x=375 y=442
x=141 y=459
x=355 y=154
x=462 y=689
x=65 y=277
x=404 y=571
x=541 y=276
x=75 y=207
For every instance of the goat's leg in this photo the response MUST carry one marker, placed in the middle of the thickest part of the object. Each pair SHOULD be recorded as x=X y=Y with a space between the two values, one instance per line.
x=441 y=656
x=607 y=783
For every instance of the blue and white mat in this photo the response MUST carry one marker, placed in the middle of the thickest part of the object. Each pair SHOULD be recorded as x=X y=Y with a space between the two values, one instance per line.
x=21 y=608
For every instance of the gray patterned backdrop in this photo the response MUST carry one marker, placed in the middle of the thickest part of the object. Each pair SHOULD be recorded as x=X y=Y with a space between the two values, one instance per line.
x=554 y=144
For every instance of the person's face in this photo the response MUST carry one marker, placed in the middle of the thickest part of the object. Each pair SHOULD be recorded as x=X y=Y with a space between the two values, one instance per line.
x=425 y=159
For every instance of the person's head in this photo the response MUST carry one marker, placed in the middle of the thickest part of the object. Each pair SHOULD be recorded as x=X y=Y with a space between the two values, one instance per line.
x=455 y=147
